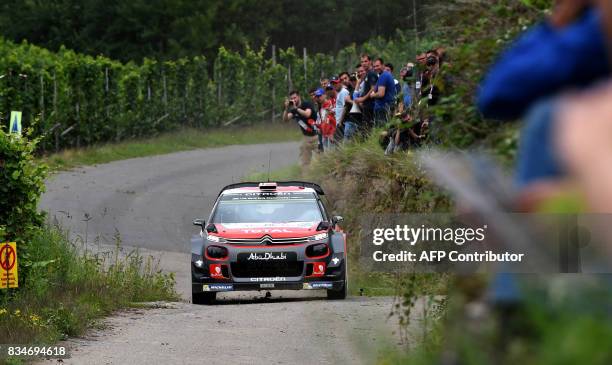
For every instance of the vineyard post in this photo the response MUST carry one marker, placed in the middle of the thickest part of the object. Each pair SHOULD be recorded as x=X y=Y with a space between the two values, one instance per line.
x=78 y=123
x=289 y=81
x=165 y=96
x=305 y=67
x=273 y=83
x=42 y=99
x=55 y=110
x=219 y=77
x=106 y=88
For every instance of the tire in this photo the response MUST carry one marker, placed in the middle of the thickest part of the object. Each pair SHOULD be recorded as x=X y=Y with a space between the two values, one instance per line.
x=203 y=298
x=338 y=294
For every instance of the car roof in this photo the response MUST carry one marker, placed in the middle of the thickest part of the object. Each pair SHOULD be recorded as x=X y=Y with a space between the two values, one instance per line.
x=280 y=186
x=278 y=189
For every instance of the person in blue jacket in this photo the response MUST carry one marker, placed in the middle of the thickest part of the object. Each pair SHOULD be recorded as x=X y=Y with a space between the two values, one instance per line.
x=544 y=61
x=556 y=55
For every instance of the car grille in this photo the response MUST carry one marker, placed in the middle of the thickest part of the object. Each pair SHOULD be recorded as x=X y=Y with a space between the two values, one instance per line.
x=267 y=241
x=268 y=268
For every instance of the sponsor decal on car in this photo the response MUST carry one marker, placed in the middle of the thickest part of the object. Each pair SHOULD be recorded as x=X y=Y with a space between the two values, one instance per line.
x=258 y=227
x=318 y=285
x=218 y=287
x=267 y=256
x=276 y=278
x=215 y=271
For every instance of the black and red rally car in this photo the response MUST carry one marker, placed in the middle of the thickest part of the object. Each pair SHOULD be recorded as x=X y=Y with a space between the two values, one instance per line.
x=268 y=236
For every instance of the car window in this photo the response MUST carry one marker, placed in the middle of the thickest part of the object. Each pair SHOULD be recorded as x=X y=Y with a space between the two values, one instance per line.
x=267 y=208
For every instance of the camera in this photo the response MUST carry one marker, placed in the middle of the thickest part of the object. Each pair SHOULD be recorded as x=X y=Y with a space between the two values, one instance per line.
x=406 y=72
x=431 y=60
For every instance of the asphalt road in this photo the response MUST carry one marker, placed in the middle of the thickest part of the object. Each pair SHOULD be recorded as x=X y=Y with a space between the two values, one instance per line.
x=150 y=203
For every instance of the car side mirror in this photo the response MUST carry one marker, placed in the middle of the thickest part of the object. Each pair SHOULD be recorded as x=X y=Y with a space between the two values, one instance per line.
x=337 y=219
x=199 y=222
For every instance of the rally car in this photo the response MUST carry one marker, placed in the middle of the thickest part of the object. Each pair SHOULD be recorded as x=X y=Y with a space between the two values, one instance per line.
x=268 y=236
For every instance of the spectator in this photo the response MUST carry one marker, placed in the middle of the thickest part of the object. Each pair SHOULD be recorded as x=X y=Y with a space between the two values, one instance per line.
x=369 y=82
x=343 y=104
x=406 y=74
x=319 y=97
x=383 y=94
x=355 y=114
x=326 y=120
x=324 y=81
x=398 y=87
x=430 y=82
x=302 y=112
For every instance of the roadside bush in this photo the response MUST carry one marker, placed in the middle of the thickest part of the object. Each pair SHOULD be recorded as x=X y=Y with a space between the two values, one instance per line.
x=68 y=288
x=21 y=185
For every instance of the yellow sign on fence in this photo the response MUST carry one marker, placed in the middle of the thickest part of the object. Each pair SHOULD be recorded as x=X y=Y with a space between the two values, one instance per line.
x=8 y=265
x=15 y=123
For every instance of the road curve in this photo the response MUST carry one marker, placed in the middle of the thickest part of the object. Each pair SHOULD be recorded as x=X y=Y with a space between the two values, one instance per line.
x=150 y=202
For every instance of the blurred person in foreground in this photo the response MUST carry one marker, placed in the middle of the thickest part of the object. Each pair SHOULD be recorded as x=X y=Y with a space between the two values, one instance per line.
x=302 y=112
x=567 y=51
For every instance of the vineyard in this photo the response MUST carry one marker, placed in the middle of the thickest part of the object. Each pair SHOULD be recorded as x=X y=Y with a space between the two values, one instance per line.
x=74 y=100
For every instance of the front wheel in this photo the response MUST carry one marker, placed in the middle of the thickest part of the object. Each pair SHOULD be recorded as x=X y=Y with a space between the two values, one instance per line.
x=338 y=294
x=203 y=298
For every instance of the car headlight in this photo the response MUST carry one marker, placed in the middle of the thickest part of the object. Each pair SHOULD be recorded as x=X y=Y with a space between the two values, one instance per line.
x=319 y=236
x=216 y=239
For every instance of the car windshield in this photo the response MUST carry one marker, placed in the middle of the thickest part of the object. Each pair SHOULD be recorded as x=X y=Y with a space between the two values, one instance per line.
x=267 y=207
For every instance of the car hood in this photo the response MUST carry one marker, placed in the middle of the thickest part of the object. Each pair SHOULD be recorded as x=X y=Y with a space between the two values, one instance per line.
x=274 y=230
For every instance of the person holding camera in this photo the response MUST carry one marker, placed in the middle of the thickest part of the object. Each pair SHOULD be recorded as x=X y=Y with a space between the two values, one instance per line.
x=406 y=74
x=302 y=112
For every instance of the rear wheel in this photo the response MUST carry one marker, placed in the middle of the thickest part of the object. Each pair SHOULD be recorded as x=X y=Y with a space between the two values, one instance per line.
x=203 y=298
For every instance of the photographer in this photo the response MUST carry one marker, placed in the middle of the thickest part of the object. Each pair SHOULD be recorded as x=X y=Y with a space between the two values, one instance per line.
x=406 y=74
x=302 y=112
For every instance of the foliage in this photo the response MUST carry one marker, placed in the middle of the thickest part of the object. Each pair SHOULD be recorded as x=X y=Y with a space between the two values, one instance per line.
x=21 y=185
x=164 y=30
x=473 y=35
x=81 y=100
x=68 y=289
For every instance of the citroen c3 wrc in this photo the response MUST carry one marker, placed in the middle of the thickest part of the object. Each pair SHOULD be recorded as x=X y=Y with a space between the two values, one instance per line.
x=268 y=236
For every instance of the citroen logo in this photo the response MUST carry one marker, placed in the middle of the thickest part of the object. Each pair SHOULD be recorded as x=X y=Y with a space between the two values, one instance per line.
x=266 y=240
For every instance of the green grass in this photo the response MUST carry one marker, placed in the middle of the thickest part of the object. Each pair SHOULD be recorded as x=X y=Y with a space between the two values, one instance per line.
x=63 y=291
x=182 y=140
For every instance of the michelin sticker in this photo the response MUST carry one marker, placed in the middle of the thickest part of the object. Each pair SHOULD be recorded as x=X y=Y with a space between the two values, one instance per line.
x=218 y=287
x=318 y=285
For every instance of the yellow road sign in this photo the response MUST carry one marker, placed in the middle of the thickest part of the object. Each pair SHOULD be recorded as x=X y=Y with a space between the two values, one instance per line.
x=15 y=122
x=8 y=265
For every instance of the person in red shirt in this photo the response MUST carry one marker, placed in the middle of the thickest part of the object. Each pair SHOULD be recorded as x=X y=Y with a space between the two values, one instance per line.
x=326 y=119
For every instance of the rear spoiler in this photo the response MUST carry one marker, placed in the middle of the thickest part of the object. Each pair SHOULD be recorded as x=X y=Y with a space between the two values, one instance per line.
x=305 y=184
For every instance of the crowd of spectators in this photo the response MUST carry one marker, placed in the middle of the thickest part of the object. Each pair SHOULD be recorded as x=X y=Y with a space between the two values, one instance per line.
x=352 y=104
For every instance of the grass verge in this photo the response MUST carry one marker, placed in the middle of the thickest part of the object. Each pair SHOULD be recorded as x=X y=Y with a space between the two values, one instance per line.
x=67 y=290
x=182 y=140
